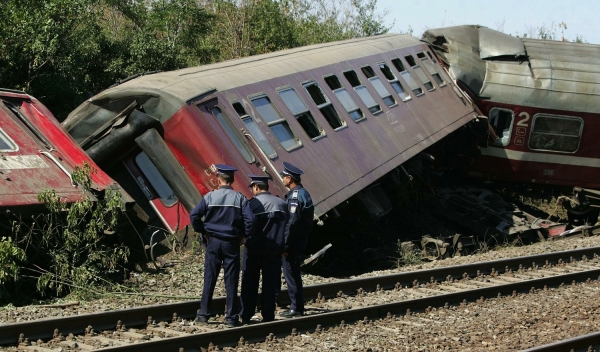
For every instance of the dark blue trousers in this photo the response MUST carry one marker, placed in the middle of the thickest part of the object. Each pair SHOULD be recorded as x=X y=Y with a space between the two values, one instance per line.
x=227 y=254
x=293 y=278
x=270 y=265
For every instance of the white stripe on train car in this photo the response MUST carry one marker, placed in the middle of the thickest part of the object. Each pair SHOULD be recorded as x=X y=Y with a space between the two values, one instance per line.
x=541 y=157
x=22 y=162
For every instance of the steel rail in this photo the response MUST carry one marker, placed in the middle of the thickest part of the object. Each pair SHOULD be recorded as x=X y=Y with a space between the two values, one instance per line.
x=43 y=329
x=258 y=332
x=578 y=343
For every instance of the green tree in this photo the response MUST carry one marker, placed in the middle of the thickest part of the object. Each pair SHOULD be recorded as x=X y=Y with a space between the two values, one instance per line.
x=155 y=35
x=49 y=48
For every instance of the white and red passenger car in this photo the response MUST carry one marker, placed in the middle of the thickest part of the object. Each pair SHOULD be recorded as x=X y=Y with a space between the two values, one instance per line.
x=542 y=98
x=37 y=154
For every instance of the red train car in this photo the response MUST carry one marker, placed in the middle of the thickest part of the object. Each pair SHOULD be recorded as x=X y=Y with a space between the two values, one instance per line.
x=346 y=112
x=36 y=153
x=542 y=99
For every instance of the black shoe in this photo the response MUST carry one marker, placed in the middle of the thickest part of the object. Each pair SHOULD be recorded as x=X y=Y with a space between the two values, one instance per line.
x=201 y=320
x=291 y=313
x=232 y=324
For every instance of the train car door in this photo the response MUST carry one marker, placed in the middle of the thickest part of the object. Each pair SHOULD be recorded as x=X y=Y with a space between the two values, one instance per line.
x=249 y=152
x=160 y=195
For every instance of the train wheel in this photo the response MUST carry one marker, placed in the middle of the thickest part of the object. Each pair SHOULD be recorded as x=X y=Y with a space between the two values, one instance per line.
x=581 y=215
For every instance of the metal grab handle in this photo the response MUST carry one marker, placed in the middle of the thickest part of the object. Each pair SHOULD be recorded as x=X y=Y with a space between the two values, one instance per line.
x=51 y=157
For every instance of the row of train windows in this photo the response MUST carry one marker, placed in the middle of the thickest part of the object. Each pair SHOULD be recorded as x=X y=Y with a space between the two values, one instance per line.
x=280 y=127
x=548 y=132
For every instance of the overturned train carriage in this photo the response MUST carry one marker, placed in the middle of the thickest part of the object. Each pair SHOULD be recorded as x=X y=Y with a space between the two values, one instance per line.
x=37 y=154
x=543 y=102
x=346 y=112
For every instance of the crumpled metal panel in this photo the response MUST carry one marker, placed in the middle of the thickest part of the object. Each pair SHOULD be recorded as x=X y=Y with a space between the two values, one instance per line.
x=459 y=48
x=552 y=74
x=493 y=44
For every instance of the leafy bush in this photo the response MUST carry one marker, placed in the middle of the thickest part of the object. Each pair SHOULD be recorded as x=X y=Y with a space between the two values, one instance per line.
x=72 y=246
x=408 y=254
x=10 y=257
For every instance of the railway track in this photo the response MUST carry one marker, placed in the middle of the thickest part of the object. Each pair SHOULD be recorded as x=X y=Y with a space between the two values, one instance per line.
x=575 y=344
x=170 y=327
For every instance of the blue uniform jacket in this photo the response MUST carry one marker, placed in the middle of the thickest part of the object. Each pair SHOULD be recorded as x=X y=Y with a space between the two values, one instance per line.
x=271 y=219
x=227 y=215
x=301 y=211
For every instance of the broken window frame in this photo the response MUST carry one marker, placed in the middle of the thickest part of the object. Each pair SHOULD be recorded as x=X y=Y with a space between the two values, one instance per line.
x=362 y=92
x=384 y=93
x=326 y=108
x=234 y=134
x=429 y=65
x=419 y=72
x=254 y=130
x=300 y=111
x=352 y=109
x=277 y=123
x=503 y=140
x=5 y=139
x=157 y=181
x=539 y=116
x=407 y=77
x=394 y=81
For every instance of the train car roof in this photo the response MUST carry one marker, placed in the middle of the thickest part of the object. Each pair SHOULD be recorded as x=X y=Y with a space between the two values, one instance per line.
x=521 y=71
x=176 y=88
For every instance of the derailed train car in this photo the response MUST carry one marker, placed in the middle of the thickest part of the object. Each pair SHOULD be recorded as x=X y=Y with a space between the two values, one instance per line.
x=347 y=112
x=37 y=154
x=543 y=102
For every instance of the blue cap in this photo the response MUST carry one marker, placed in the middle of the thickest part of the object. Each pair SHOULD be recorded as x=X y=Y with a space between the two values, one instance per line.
x=290 y=170
x=259 y=179
x=225 y=169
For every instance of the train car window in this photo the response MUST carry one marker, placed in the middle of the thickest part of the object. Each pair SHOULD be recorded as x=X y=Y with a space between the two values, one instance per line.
x=502 y=121
x=6 y=143
x=233 y=135
x=362 y=92
x=431 y=68
x=276 y=123
x=301 y=113
x=394 y=81
x=555 y=133
x=324 y=105
x=385 y=95
x=255 y=131
x=344 y=97
x=414 y=86
x=419 y=71
x=162 y=188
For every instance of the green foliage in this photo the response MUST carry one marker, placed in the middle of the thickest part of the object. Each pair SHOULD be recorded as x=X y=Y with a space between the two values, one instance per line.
x=10 y=258
x=408 y=254
x=72 y=246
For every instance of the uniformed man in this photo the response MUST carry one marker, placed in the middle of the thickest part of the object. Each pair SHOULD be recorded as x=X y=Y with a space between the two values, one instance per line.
x=301 y=213
x=263 y=251
x=228 y=219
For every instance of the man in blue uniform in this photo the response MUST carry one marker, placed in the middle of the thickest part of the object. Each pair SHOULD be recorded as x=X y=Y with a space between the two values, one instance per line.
x=301 y=213
x=227 y=220
x=263 y=251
